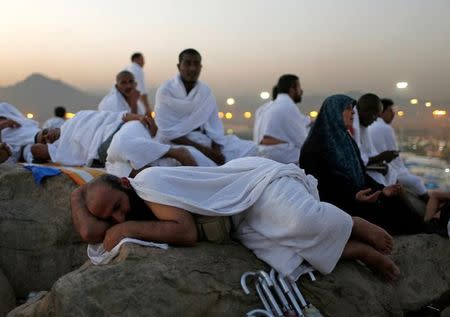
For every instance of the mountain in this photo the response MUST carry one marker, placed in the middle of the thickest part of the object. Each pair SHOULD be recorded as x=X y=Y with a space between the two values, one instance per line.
x=40 y=94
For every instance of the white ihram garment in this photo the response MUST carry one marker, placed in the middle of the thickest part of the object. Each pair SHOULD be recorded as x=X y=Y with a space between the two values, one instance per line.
x=139 y=77
x=115 y=101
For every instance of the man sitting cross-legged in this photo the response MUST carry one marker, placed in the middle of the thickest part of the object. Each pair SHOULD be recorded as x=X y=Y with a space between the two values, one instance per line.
x=275 y=208
x=120 y=139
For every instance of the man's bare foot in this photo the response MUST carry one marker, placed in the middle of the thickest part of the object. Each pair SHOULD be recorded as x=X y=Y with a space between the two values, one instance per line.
x=381 y=264
x=373 y=235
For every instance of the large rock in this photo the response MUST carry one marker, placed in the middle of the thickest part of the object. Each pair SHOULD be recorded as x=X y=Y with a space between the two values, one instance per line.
x=7 y=298
x=199 y=281
x=38 y=243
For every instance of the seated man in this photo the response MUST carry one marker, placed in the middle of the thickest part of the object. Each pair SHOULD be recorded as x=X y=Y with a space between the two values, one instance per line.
x=280 y=127
x=86 y=139
x=57 y=121
x=367 y=110
x=186 y=114
x=383 y=139
x=16 y=132
x=125 y=97
x=275 y=208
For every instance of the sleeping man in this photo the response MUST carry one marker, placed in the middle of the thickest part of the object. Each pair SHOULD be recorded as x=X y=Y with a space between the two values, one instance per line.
x=275 y=210
x=120 y=140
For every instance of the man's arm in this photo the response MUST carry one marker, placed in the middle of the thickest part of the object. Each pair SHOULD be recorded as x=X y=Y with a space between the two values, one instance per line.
x=5 y=152
x=385 y=156
x=175 y=226
x=90 y=228
x=147 y=107
x=182 y=155
x=40 y=152
x=214 y=153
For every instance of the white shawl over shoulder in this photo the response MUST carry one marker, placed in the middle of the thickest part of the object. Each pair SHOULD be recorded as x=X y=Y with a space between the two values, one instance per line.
x=114 y=101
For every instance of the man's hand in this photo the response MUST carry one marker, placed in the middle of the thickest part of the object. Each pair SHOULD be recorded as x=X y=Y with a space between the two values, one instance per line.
x=392 y=190
x=40 y=152
x=5 y=152
x=214 y=153
x=8 y=123
x=388 y=155
x=182 y=155
x=132 y=100
x=365 y=196
x=150 y=124
x=113 y=236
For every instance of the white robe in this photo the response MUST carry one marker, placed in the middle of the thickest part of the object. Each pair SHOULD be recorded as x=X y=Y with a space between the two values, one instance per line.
x=133 y=147
x=114 y=101
x=139 y=77
x=52 y=123
x=17 y=138
x=364 y=141
x=275 y=207
x=178 y=114
x=383 y=139
x=281 y=119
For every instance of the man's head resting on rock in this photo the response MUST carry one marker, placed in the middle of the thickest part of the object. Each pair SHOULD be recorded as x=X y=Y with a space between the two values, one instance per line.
x=47 y=136
x=109 y=198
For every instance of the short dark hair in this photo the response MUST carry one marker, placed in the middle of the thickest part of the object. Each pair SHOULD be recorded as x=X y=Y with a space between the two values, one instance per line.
x=110 y=180
x=60 y=112
x=274 y=92
x=188 y=51
x=285 y=83
x=386 y=102
x=136 y=56
x=122 y=73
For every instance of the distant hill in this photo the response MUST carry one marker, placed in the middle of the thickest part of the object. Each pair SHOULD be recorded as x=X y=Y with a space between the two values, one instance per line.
x=40 y=94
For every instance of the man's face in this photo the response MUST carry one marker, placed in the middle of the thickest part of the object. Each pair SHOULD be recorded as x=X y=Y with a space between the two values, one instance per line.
x=297 y=92
x=48 y=136
x=140 y=61
x=126 y=84
x=107 y=203
x=190 y=67
x=368 y=116
x=388 y=115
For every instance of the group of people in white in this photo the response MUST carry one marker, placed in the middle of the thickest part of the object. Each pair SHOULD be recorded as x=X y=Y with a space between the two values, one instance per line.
x=304 y=198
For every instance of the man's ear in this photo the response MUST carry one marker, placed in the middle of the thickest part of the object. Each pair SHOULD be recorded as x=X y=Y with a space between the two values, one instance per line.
x=178 y=66
x=125 y=182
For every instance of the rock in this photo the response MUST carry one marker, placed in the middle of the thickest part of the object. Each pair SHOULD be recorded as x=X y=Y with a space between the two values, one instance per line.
x=38 y=243
x=199 y=281
x=7 y=297
x=351 y=290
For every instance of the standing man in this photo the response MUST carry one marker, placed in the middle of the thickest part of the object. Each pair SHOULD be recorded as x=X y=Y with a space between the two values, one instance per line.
x=136 y=68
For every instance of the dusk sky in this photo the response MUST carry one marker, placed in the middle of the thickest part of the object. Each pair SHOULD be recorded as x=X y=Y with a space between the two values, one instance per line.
x=334 y=46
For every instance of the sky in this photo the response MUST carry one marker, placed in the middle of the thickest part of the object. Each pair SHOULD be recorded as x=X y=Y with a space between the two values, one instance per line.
x=334 y=46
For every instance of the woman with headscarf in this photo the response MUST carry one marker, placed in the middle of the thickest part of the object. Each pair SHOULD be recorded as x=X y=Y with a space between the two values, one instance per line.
x=331 y=155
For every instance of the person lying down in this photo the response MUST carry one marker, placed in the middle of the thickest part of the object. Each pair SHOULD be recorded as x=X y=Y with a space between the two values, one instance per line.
x=275 y=209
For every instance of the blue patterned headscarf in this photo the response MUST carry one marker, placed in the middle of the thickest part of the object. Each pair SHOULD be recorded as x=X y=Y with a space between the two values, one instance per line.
x=330 y=140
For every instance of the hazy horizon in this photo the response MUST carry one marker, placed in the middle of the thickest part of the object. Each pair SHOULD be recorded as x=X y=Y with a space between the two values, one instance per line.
x=333 y=46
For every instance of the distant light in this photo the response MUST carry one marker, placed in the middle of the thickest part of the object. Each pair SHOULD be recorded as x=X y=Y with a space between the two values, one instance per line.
x=414 y=101
x=153 y=114
x=447 y=170
x=428 y=104
x=30 y=115
x=313 y=114
x=402 y=84
x=400 y=113
x=70 y=115
x=247 y=115
x=229 y=115
x=230 y=101
x=220 y=114
x=439 y=113
x=265 y=95
x=230 y=131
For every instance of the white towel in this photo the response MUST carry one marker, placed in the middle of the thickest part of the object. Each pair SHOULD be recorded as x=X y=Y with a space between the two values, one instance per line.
x=277 y=210
x=98 y=255
x=82 y=135
x=114 y=101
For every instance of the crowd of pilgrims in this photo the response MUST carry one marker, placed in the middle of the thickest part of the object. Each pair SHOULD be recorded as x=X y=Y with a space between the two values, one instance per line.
x=350 y=148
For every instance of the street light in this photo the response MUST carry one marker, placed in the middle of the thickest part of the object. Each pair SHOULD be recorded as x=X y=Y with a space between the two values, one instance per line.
x=265 y=95
x=313 y=114
x=230 y=101
x=30 y=115
x=221 y=114
x=229 y=115
x=247 y=115
x=400 y=113
x=428 y=104
x=414 y=101
x=70 y=115
x=402 y=84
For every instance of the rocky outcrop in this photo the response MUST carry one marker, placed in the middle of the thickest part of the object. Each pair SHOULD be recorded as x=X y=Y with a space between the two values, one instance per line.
x=38 y=243
x=7 y=298
x=198 y=281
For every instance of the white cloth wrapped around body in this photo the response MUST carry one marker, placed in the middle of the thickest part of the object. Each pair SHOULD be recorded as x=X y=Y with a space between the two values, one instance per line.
x=195 y=116
x=275 y=207
x=115 y=101
x=364 y=141
x=281 y=119
x=383 y=139
x=53 y=123
x=17 y=138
